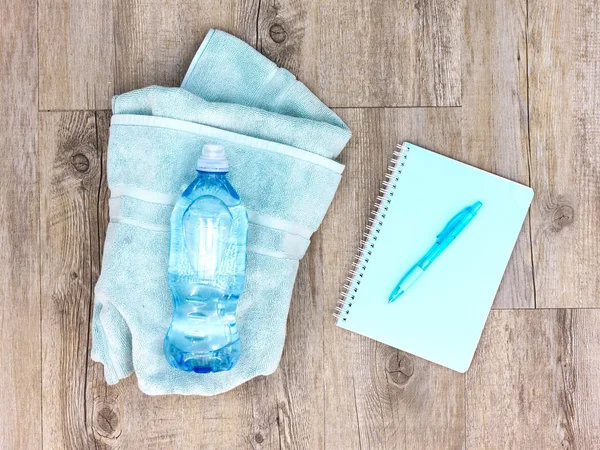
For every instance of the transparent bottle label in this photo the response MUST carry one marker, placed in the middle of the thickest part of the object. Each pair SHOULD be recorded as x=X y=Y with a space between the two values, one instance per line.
x=207 y=228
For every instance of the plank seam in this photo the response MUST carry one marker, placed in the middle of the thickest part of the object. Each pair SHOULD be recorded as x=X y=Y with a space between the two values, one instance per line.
x=37 y=32
x=76 y=110
x=529 y=147
x=356 y=411
x=257 y=23
x=394 y=106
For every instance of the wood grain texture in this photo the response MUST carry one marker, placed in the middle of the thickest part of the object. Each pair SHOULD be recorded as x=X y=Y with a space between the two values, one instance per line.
x=535 y=381
x=494 y=118
x=103 y=403
x=405 y=55
x=20 y=344
x=356 y=53
x=564 y=80
x=69 y=186
x=77 y=58
x=375 y=396
x=288 y=34
x=147 y=44
x=100 y=48
x=179 y=422
x=526 y=75
x=300 y=376
x=155 y=40
x=237 y=17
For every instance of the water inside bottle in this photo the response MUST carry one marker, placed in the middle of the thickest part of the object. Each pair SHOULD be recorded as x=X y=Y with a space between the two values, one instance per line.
x=206 y=275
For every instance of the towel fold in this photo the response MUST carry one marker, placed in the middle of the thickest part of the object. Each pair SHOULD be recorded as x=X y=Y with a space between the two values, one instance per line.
x=280 y=142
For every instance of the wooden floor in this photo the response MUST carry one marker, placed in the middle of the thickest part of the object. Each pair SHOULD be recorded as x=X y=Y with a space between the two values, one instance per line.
x=511 y=86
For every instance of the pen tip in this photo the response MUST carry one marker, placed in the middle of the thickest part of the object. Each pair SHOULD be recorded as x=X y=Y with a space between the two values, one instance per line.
x=395 y=296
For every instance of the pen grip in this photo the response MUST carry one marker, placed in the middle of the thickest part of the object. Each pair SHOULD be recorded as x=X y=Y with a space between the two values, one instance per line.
x=412 y=276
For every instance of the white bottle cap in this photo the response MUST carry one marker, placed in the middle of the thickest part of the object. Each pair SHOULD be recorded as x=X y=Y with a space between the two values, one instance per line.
x=213 y=159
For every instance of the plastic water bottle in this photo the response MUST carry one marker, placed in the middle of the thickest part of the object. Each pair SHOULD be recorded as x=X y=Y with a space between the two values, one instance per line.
x=207 y=264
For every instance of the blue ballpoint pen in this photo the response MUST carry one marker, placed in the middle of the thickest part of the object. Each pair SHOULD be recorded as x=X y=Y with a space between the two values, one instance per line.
x=456 y=225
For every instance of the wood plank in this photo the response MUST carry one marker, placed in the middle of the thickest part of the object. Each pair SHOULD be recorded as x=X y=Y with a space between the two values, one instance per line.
x=20 y=352
x=237 y=17
x=246 y=417
x=314 y=40
x=77 y=60
x=69 y=184
x=564 y=49
x=356 y=53
x=152 y=42
x=288 y=33
x=299 y=380
x=155 y=40
x=535 y=382
x=494 y=118
x=147 y=45
x=100 y=48
x=379 y=54
x=104 y=403
x=376 y=396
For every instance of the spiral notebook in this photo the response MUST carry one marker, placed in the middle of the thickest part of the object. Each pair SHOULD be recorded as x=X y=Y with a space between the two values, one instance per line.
x=441 y=317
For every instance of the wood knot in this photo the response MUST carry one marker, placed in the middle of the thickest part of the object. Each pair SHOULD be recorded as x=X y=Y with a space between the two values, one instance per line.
x=400 y=369
x=277 y=33
x=562 y=216
x=74 y=275
x=80 y=162
x=107 y=422
x=259 y=438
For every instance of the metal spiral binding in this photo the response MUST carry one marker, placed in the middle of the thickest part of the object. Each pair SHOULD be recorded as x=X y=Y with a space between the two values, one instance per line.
x=369 y=237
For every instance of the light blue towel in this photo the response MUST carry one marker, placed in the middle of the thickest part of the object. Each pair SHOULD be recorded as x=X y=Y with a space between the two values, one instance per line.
x=280 y=142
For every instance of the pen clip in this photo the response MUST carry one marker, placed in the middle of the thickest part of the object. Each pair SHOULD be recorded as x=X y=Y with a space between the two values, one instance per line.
x=450 y=226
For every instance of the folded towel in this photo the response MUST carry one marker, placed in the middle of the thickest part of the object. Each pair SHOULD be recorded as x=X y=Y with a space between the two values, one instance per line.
x=280 y=141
